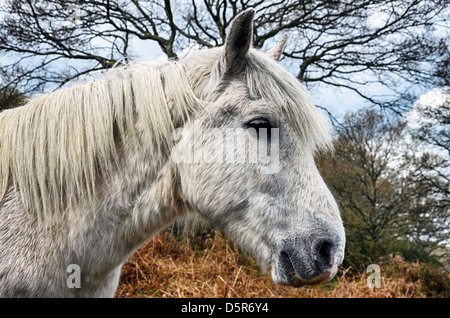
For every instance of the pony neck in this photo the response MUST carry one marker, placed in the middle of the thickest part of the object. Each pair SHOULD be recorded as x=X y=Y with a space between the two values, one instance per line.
x=135 y=204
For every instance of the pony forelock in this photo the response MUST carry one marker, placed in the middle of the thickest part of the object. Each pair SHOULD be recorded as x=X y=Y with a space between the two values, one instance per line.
x=267 y=78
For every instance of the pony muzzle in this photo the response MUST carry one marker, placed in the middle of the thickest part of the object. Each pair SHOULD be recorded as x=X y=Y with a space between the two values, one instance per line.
x=307 y=262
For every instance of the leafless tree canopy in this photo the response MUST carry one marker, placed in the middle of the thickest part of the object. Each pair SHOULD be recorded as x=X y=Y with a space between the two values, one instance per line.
x=433 y=164
x=343 y=44
x=391 y=196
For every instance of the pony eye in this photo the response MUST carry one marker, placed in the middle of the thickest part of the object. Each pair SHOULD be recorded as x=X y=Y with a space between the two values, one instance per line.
x=259 y=123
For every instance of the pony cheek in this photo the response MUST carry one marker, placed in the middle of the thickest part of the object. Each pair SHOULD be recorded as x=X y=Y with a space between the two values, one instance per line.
x=213 y=194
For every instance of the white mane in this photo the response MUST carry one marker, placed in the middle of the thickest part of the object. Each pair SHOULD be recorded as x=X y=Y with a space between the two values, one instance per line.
x=55 y=147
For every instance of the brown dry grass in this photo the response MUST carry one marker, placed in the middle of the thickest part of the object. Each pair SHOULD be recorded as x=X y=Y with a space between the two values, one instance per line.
x=211 y=266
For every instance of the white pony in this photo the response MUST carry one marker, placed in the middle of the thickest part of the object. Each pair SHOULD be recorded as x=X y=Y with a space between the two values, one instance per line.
x=89 y=173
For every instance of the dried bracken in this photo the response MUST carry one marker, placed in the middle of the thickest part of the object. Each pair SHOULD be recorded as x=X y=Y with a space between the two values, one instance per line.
x=206 y=264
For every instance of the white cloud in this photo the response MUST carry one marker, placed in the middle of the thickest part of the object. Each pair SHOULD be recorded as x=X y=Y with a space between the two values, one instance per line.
x=433 y=99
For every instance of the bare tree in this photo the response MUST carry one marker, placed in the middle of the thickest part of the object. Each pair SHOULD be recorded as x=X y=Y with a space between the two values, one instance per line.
x=363 y=177
x=387 y=206
x=430 y=157
x=342 y=44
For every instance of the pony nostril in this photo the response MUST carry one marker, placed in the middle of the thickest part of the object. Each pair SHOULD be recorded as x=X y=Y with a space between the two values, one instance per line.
x=323 y=252
x=286 y=262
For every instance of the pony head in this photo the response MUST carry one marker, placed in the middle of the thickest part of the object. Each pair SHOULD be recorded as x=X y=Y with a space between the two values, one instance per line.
x=246 y=163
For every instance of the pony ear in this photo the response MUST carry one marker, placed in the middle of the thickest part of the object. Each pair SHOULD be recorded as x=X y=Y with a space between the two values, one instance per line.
x=276 y=52
x=239 y=40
